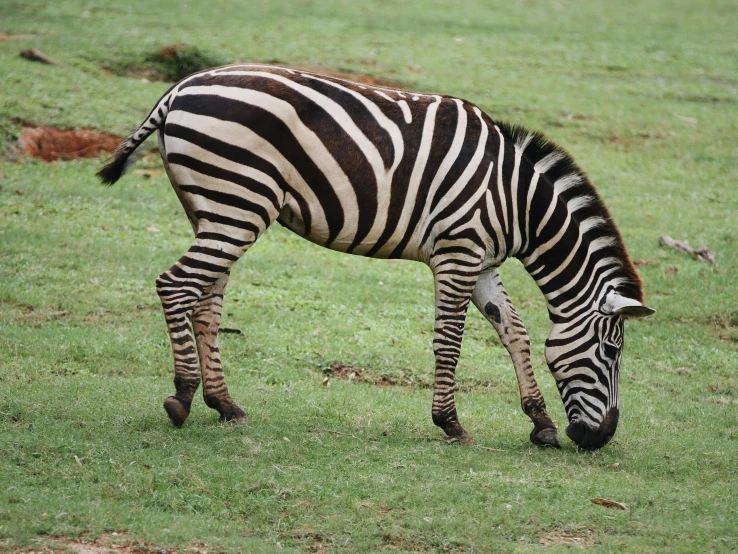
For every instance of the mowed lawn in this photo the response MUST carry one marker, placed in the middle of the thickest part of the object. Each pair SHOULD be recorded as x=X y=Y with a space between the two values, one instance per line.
x=643 y=94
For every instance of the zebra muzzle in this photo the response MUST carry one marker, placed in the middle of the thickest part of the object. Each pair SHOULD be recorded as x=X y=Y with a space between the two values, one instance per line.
x=591 y=438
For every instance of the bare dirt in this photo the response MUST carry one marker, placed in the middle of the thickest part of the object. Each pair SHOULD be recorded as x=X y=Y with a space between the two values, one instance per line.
x=51 y=143
x=357 y=77
x=175 y=61
x=343 y=372
x=583 y=538
x=83 y=547
x=6 y=36
x=351 y=373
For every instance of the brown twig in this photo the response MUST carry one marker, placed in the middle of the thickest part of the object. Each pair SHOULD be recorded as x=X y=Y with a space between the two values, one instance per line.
x=702 y=253
x=38 y=56
x=489 y=448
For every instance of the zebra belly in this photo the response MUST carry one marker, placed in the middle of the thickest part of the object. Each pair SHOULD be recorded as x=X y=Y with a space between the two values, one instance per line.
x=291 y=217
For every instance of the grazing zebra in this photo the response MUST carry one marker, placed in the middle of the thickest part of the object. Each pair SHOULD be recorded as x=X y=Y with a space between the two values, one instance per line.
x=392 y=174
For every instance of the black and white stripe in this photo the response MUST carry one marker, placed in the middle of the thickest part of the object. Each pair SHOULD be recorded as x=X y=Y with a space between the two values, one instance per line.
x=392 y=174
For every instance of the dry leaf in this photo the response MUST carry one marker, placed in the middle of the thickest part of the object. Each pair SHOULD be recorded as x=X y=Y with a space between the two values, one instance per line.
x=301 y=503
x=327 y=382
x=152 y=229
x=76 y=459
x=607 y=503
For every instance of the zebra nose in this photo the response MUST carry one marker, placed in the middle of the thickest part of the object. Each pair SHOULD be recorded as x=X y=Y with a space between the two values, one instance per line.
x=590 y=438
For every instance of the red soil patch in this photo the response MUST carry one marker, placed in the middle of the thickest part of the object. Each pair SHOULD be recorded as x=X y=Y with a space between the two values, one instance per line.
x=51 y=144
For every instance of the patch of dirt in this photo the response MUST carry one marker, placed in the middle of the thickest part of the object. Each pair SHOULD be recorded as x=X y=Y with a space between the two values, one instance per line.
x=680 y=371
x=408 y=544
x=6 y=36
x=176 y=61
x=32 y=315
x=51 y=143
x=314 y=541
x=403 y=378
x=84 y=547
x=583 y=539
x=146 y=74
x=579 y=117
x=168 y=63
x=726 y=325
x=350 y=373
x=725 y=320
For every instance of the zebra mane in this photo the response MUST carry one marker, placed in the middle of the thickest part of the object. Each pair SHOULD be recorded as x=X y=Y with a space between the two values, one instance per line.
x=558 y=167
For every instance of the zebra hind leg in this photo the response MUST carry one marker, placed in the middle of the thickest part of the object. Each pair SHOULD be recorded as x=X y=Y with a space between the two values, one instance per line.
x=454 y=282
x=181 y=289
x=206 y=321
x=491 y=298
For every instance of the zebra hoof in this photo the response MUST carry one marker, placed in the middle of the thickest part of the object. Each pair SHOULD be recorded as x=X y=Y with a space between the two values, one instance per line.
x=453 y=429
x=176 y=410
x=233 y=418
x=232 y=413
x=545 y=437
x=463 y=439
x=226 y=407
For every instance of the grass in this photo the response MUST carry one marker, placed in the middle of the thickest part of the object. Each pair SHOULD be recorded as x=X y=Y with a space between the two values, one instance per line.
x=645 y=98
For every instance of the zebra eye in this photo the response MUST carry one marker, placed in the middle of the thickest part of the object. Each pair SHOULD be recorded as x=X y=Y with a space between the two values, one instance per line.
x=610 y=350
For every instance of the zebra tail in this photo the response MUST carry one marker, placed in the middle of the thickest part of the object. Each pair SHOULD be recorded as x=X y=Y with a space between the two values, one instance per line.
x=125 y=155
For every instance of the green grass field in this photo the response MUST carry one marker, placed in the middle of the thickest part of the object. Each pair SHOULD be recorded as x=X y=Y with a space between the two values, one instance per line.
x=643 y=94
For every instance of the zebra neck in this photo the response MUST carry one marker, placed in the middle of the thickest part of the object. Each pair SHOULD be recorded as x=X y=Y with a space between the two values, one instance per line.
x=558 y=227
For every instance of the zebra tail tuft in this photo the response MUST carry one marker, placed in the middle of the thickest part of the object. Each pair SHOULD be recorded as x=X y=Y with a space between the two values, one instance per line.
x=123 y=158
x=127 y=153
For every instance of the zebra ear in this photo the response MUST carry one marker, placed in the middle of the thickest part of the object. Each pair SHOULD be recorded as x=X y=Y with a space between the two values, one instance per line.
x=616 y=304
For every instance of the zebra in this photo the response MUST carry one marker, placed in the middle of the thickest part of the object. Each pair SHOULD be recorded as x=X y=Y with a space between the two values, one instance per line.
x=388 y=173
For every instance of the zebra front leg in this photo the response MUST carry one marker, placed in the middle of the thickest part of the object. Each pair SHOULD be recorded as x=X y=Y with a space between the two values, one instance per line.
x=206 y=321
x=454 y=282
x=491 y=298
x=180 y=290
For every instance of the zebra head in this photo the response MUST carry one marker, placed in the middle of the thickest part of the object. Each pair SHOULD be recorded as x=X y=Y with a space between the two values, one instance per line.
x=584 y=354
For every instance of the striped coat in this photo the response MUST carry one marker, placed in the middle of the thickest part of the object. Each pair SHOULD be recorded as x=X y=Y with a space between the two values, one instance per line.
x=392 y=174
